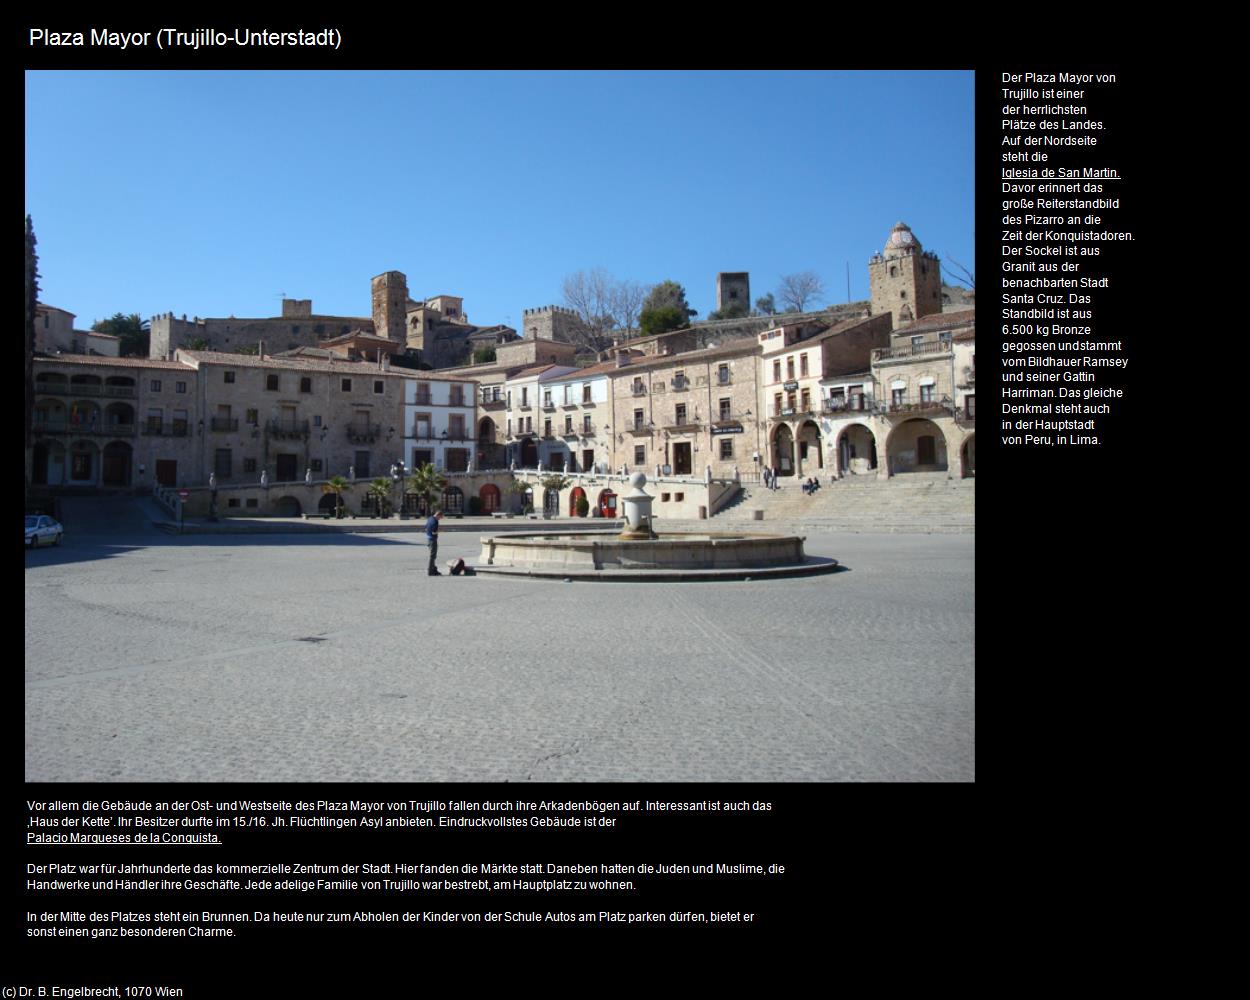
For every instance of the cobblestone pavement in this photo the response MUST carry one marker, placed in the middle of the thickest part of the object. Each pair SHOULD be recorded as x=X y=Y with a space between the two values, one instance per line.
x=323 y=657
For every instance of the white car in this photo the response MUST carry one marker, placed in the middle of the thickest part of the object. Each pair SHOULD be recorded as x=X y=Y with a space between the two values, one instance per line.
x=42 y=530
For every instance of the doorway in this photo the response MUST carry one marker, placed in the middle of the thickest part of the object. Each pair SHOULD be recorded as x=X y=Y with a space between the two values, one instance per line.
x=681 y=459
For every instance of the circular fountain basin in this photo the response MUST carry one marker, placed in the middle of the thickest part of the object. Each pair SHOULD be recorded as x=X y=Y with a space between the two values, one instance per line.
x=668 y=556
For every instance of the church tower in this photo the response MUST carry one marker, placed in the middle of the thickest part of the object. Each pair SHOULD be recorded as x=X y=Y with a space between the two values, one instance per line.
x=904 y=279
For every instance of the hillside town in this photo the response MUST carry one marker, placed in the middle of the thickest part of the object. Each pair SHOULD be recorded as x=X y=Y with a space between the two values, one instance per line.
x=253 y=417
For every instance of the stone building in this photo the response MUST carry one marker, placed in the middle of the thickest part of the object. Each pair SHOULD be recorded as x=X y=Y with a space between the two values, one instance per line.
x=905 y=280
x=114 y=423
x=794 y=361
x=55 y=334
x=289 y=417
x=686 y=412
x=298 y=326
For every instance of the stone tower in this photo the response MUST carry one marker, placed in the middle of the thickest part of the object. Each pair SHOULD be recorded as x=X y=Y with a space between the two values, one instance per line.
x=904 y=279
x=733 y=288
x=390 y=304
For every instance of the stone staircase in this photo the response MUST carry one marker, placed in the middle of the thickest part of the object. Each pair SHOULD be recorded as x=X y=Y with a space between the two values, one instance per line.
x=915 y=502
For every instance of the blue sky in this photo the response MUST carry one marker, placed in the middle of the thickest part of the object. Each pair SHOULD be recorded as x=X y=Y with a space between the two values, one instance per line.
x=212 y=193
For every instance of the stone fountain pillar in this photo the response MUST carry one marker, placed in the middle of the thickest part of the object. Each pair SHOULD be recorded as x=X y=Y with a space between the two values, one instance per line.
x=637 y=510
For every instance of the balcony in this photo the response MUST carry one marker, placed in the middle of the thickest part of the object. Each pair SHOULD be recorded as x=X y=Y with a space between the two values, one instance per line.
x=223 y=424
x=287 y=428
x=910 y=351
x=363 y=433
x=570 y=432
x=549 y=406
x=423 y=399
x=641 y=430
x=637 y=390
x=853 y=404
x=723 y=380
x=680 y=384
x=924 y=407
x=493 y=404
x=965 y=419
x=684 y=426
x=121 y=391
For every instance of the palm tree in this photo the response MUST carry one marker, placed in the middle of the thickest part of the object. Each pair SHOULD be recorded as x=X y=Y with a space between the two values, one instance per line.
x=336 y=485
x=380 y=490
x=427 y=483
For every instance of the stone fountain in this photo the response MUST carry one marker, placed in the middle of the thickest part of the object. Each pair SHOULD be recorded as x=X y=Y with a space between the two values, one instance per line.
x=638 y=553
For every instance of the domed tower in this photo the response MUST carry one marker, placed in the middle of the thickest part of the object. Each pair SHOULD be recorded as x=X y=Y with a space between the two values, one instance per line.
x=390 y=303
x=904 y=279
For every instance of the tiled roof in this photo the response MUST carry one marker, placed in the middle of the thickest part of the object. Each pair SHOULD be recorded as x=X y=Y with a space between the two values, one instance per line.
x=742 y=345
x=964 y=335
x=340 y=366
x=91 y=359
x=940 y=321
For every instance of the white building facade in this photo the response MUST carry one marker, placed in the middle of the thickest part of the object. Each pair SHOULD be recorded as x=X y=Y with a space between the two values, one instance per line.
x=439 y=422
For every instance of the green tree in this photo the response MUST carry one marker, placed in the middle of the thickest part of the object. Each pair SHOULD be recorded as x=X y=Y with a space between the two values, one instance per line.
x=428 y=484
x=380 y=490
x=665 y=308
x=483 y=355
x=336 y=485
x=133 y=331
x=32 y=301
x=767 y=304
x=522 y=490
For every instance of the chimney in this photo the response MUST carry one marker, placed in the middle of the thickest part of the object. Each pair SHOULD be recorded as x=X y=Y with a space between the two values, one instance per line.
x=622 y=358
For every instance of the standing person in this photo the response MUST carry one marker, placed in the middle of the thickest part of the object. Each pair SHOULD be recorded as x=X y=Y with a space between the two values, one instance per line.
x=431 y=537
x=774 y=477
x=766 y=486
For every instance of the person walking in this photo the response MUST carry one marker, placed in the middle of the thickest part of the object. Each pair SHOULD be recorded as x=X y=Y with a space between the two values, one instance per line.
x=431 y=538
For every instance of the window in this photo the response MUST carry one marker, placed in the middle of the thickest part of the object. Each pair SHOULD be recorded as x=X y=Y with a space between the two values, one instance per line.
x=546 y=428
x=777 y=371
x=423 y=426
x=317 y=420
x=586 y=393
x=180 y=387
x=271 y=383
x=155 y=418
x=807 y=400
x=776 y=404
x=898 y=396
x=681 y=413
x=315 y=465
x=253 y=417
x=640 y=454
x=379 y=387
x=546 y=397
x=638 y=420
x=229 y=377
x=790 y=369
x=305 y=385
x=726 y=447
x=455 y=427
x=802 y=364
x=917 y=341
x=249 y=465
x=970 y=407
x=295 y=330
x=253 y=502
x=222 y=463
x=156 y=385
x=722 y=374
x=456 y=396
x=568 y=425
x=525 y=396
x=232 y=502
x=345 y=385
x=586 y=423
x=180 y=423
x=926 y=393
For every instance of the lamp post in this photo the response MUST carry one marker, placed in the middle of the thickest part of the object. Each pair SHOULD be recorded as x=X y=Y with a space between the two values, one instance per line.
x=397 y=476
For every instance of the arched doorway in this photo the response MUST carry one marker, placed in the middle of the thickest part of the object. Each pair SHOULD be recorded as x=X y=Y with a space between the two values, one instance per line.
x=857 y=451
x=783 y=451
x=326 y=505
x=119 y=417
x=115 y=467
x=551 y=503
x=529 y=454
x=810 y=458
x=491 y=500
x=606 y=503
x=288 y=507
x=453 y=500
x=577 y=494
x=916 y=445
x=968 y=456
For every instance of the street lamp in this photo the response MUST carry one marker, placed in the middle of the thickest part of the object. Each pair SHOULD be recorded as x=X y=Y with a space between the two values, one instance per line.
x=397 y=476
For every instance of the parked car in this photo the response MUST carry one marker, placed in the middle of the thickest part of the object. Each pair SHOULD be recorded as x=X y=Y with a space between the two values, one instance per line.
x=42 y=530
